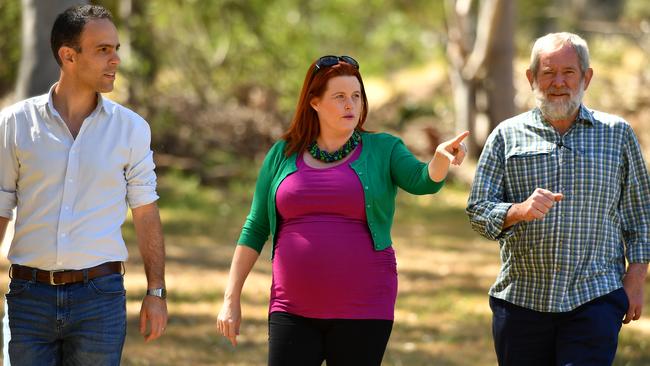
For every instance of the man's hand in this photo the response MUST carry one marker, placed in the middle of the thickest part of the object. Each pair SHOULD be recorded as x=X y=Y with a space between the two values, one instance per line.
x=534 y=208
x=154 y=314
x=633 y=282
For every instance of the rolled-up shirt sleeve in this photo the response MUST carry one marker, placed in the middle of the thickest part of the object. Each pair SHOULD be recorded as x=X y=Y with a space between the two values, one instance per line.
x=635 y=202
x=8 y=165
x=486 y=206
x=140 y=174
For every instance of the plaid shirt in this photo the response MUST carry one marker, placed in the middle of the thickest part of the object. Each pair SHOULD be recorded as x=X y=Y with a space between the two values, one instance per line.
x=578 y=252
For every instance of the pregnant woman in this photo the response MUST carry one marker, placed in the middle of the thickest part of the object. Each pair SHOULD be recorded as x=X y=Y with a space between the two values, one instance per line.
x=326 y=194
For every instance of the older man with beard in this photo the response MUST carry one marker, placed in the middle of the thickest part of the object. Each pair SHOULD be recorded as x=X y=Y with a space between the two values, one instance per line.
x=565 y=191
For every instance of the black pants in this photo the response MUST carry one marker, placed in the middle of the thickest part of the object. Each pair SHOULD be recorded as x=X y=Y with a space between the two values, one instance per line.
x=299 y=341
x=585 y=336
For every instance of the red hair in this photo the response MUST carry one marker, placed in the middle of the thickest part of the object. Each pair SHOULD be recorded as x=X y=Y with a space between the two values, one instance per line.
x=304 y=128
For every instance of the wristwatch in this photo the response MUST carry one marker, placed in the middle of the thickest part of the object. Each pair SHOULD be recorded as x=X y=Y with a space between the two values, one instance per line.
x=157 y=292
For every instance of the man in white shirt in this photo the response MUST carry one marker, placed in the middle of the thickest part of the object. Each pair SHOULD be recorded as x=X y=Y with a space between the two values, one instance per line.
x=71 y=161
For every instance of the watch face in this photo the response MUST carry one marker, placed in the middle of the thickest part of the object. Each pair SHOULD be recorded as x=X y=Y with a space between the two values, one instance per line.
x=158 y=292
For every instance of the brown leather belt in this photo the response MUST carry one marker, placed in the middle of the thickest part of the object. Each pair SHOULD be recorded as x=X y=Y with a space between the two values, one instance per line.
x=63 y=277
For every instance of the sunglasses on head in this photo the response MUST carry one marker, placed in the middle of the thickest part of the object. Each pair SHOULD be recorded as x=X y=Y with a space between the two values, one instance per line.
x=329 y=61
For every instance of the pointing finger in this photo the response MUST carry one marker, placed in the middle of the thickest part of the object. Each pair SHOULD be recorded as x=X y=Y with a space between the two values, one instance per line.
x=458 y=139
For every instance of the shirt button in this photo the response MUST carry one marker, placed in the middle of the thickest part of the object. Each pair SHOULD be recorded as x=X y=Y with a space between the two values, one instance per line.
x=366 y=187
x=59 y=263
x=63 y=235
x=368 y=206
x=360 y=173
x=70 y=180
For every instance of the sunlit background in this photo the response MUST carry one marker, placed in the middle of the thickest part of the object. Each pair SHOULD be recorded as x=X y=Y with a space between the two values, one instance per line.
x=218 y=82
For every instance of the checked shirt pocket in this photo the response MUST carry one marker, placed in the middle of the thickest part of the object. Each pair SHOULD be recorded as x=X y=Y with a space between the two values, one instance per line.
x=527 y=169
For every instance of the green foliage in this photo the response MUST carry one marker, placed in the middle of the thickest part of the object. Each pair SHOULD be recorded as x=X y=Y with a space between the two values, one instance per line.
x=638 y=11
x=224 y=75
x=9 y=44
x=222 y=48
x=218 y=80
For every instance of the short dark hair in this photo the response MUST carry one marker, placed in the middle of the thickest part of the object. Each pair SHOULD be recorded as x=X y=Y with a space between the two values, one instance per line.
x=68 y=26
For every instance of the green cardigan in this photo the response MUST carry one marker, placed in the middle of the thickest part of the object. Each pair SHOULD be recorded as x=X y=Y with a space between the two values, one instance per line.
x=384 y=164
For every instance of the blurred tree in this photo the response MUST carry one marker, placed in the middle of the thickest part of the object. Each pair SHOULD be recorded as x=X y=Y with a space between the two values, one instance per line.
x=481 y=52
x=38 y=69
x=573 y=13
x=637 y=17
x=9 y=44
x=218 y=80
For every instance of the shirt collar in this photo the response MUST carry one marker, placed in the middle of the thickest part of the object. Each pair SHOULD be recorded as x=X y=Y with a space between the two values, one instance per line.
x=47 y=100
x=585 y=116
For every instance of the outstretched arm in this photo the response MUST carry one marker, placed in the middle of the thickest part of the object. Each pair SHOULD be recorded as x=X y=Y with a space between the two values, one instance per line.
x=449 y=152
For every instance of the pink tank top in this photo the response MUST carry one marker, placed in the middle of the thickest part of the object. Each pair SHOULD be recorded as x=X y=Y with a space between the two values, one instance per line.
x=325 y=265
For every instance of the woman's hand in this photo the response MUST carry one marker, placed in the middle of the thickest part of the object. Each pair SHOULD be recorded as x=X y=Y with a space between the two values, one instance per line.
x=448 y=152
x=454 y=149
x=229 y=319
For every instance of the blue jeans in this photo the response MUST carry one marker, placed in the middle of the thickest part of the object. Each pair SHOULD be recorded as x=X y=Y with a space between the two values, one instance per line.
x=77 y=324
x=585 y=336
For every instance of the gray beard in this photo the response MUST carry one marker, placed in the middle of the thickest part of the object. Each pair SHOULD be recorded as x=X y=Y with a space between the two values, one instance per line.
x=560 y=110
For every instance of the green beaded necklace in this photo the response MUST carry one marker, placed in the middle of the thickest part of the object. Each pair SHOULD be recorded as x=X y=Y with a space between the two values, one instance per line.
x=337 y=155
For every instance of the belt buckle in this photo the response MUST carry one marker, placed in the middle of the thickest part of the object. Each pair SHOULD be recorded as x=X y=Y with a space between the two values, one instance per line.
x=52 y=277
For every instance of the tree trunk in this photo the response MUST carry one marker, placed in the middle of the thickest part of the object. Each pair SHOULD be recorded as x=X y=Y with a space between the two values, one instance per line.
x=464 y=93
x=499 y=80
x=38 y=70
x=481 y=53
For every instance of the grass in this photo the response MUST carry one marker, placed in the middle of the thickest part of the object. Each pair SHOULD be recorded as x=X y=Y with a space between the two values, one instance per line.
x=445 y=270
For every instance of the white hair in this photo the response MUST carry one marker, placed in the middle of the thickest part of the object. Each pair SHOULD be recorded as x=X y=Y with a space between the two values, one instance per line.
x=554 y=41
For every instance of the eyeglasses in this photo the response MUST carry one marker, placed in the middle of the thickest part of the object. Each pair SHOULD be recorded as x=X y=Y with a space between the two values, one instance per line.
x=330 y=60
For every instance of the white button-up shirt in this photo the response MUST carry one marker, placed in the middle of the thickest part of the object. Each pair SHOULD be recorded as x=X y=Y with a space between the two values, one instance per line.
x=71 y=194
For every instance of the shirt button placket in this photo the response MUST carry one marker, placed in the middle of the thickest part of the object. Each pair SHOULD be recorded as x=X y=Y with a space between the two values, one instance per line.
x=65 y=217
